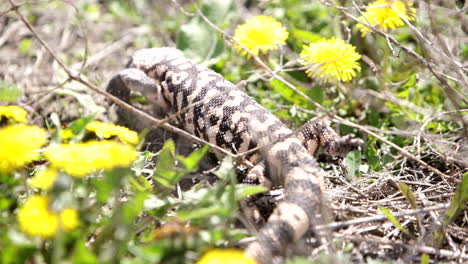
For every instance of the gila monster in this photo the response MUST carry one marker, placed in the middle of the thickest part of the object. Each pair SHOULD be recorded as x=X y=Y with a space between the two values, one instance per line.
x=222 y=114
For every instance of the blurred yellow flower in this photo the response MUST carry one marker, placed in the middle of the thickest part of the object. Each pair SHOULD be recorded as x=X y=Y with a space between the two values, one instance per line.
x=260 y=34
x=13 y=112
x=35 y=218
x=18 y=144
x=331 y=60
x=225 y=256
x=69 y=219
x=83 y=158
x=105 y=130
x=387 y=14
x=44 y=179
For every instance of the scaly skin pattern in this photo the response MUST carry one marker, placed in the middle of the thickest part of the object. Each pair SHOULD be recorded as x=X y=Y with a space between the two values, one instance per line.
x=218 y=112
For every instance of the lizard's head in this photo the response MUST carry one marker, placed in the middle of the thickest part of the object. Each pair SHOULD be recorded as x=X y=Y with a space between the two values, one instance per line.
x=133 y=80
x=146 y=59
x=118 y=88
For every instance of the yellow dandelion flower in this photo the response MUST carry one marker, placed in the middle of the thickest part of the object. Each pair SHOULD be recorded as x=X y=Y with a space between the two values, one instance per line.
x=81 y=159
x=260 y=34
x=331 y=60
x=105 y=130
x=14 y=113
x=225 y=256
x=69 y=219
x=35 y=219
x=18 y=145
x=387 y=14
x=44 y=179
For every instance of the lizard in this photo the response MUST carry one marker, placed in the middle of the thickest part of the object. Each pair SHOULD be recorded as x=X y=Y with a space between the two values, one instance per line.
x=219 y=112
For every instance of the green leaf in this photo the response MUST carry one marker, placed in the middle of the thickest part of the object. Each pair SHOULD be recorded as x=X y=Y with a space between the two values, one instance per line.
x=78 y=127
x=386 y=159
x=202 y=212
x=244 y=190
x=226 y=169
x=140 y=184
x=349 y=247
x=373 y=118
x=103 y=190
x=6 y=203
x=392 y=219
x=158 y=207
x=25 y=46
x=124 y=11
x=299 y=260
x=16 y=248
x=152 y=253
x=191 y=162
x=372 y=154
x=465 y=51
x=56 y=137
x=217 y=11
x=198 y=41
x=353 y=162
x=166 y=157
x=316 y=94
x=166 y=172
x=408 y=194
x=110 y=181
x=138 y=99
x=133 y=207
x=84 y=98
x=457 y=205
x=227 y=173
x=425 y=258
x=91 y=11
x=305 y=36
x=16 y=254
x=290 y=95
x=459 y=201
x=411 y=83
x=9 y=92
x=82 y=254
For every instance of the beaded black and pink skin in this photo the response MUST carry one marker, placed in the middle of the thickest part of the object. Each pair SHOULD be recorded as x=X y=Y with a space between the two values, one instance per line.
x=217 y=111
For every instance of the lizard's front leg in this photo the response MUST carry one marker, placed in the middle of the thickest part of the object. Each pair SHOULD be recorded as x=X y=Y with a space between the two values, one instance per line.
x=318 y=133
x=256 y=175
